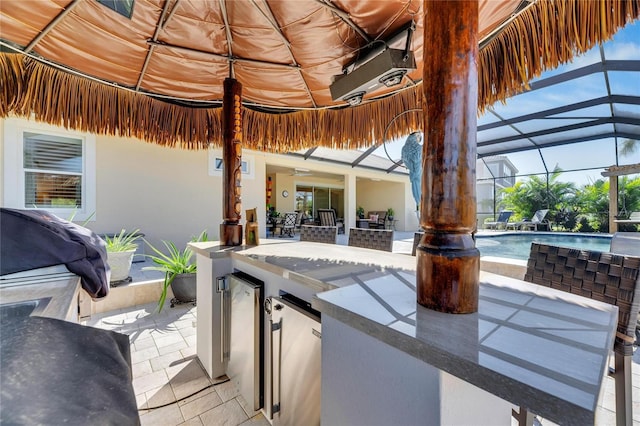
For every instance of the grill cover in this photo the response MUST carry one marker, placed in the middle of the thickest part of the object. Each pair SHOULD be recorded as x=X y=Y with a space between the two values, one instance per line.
x=55 y=372
x=31 y=239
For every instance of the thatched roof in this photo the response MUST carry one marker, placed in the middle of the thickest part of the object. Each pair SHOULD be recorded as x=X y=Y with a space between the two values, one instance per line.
x=158 y=76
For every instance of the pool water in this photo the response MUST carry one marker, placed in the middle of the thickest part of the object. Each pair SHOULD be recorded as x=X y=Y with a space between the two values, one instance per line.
x=518 y=246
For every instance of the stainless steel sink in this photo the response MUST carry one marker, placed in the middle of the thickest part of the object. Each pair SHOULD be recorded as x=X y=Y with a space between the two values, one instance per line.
x=23 y=309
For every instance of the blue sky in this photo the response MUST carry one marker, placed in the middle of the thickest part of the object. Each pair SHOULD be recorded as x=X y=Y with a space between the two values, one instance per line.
x=594 y=154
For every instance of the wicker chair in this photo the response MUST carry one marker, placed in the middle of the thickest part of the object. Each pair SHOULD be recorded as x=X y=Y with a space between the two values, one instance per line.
x=377 y=239
x=606 y=277
x=328 y=218
x=319 y=234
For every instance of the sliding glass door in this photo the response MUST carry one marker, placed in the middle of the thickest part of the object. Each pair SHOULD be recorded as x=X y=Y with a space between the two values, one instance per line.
x=310 y=198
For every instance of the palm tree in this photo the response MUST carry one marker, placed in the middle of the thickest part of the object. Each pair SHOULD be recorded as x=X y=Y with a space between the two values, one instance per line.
x=537 y=193
x=629 y=146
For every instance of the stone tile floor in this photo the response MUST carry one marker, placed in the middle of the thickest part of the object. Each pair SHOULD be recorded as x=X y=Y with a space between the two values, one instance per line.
x=165 y=370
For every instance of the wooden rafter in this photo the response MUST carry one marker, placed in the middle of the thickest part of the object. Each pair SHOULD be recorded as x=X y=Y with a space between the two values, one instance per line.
x=345 y=18
x=268 y=14
x=228 y=58
x=51 y=25
x=223 y=10
x=159 y=26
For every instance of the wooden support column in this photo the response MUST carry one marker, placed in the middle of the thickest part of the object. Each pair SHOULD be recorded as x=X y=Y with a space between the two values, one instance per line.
x=448 y=262
x=230 y=229
x=613 y=203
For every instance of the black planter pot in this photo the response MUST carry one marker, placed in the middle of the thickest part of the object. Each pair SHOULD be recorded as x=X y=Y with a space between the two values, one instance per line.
x=184 y=288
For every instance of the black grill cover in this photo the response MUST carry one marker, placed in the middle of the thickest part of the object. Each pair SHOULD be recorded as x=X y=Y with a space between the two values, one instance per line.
x=55 y=372
x=31 y=239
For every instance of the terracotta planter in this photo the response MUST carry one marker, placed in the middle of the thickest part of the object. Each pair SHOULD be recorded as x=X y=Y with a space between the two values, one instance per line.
x=183 y=287
x=120 y=264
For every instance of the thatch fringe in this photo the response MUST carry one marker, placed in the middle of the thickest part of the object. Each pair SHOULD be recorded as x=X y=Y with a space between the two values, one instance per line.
x=544 y=36
x=67 y=100
x=12 y=84
x=348 y=128
x=547 y=34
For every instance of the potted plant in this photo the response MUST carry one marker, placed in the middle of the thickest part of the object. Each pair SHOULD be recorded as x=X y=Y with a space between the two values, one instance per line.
x=179 y=271
x=120 y=250
x=390 y=213
x=360 y=212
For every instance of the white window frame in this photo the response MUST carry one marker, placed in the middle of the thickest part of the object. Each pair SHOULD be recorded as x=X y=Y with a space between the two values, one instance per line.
x=14 y=173
x=216 y=163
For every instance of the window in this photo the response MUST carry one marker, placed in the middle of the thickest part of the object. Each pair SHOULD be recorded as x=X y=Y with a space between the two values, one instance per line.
x=216 y=164
x=49 y=168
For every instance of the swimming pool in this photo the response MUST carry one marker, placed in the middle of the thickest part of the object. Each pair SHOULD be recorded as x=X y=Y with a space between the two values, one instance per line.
x=518 y=246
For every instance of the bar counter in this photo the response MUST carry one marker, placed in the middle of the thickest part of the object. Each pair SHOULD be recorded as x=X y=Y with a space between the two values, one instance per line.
x=527 y=345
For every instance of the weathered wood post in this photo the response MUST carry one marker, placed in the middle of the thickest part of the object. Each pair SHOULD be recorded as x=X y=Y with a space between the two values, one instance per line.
x=231 y=229
x=448 y=263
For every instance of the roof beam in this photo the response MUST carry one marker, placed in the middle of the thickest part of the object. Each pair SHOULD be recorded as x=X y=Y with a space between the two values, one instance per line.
x=51 y=25
x=614 y=99
x=276 y=27
x=364 y=155
x=617 y=65
x=223 y=10
x=309 y=152
x=345 y=18
x=224 y=57
x=562 y=142
x=159 y=26
x=596 y=122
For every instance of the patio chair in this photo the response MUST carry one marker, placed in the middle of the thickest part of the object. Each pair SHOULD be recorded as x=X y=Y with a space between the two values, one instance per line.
x=607 y=277
x=288 y=224
x=377 y=239
x=634 y=219
x=319 y=234
x=299 y=216
x=377 y=219
x=502 y=220
x=539 y=220
x=328 y=218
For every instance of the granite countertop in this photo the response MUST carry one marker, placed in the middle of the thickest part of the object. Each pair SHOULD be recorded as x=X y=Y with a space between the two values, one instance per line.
x=530 y=345
x=60 y=297
x=317 y=265
x=533 y=346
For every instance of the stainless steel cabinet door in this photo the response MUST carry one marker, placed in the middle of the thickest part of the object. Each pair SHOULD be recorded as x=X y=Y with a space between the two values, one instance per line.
x=244 y=342
x=297 y=359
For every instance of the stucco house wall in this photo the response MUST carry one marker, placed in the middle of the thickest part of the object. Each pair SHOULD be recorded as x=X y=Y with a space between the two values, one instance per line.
x=173 y=194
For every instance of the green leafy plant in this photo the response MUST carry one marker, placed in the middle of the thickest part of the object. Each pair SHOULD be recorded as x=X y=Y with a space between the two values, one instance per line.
x=124 y=241
x=173 y=263
x=360 y=211
x=390 y=212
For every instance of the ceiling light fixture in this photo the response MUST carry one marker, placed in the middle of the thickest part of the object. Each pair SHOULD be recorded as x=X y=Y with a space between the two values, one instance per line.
x=385 y=65
x=355 y=99
x=393 y=78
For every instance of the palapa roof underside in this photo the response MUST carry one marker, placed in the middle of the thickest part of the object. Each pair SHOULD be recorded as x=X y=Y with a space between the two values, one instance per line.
x=158 y=76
